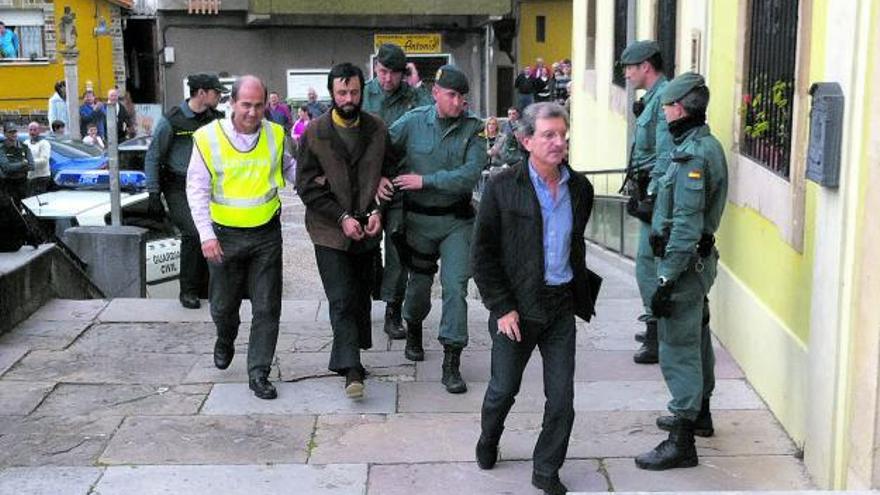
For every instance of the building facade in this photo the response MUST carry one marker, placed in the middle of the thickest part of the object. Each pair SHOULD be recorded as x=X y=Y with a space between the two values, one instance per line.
x=797 y=289
x=293 y=44
x=28 y=80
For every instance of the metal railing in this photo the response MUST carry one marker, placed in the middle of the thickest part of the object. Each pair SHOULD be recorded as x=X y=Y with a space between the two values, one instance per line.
x=609 y=226
x=766 y=107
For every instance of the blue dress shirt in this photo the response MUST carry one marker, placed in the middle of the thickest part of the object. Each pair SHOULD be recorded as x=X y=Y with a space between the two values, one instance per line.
x=558 y=219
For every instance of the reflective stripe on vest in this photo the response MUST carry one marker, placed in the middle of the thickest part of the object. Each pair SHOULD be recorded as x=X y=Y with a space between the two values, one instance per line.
x=244 y=184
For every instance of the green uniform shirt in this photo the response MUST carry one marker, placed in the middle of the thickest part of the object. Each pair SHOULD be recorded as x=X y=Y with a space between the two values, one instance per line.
x=690 y=199
x=449 y=159
x=652 y=142
x=392 y=107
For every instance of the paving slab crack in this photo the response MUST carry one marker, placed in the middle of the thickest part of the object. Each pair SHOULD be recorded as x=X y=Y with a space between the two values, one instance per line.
x=603 y=470
x=46 y=396
x=312 y=445
x=88 y=327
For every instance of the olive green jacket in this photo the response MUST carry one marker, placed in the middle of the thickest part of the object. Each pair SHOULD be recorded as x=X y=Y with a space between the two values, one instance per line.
x=652 y=142
x=690 y=199
x=391 y=107
x=449 y=159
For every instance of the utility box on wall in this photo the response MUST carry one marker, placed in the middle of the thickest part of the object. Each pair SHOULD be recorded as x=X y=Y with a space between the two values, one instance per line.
x=826 y=134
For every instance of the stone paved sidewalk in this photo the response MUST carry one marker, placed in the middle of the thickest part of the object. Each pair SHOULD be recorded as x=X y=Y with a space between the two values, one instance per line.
x=121 y=397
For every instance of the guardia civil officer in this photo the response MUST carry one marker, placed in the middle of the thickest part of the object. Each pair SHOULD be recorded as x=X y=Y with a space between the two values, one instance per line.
x=444 y=155
x=165 y=166
x=389 y=96
x=648 y=160
x=690 y=200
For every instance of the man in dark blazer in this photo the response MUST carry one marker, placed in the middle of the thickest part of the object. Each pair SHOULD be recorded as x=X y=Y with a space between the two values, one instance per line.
x=341 y=159
x=528 y=262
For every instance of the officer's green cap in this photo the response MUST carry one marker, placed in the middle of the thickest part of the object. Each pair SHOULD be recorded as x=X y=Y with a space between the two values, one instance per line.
x=639 y=51
x=392 y=57
x=679 y=87
x=450 y=77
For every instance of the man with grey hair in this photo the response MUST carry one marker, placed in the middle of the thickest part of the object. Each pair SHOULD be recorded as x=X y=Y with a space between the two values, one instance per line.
x=534 y=290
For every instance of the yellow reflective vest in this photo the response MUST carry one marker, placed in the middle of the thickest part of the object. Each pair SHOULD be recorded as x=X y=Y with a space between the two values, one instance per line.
x=244 y=184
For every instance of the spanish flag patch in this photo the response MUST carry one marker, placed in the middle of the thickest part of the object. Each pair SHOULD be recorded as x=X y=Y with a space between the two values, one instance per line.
x=695 y=174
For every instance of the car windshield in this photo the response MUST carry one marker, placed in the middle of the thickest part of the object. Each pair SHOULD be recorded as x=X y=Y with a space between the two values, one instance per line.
x=74 y=149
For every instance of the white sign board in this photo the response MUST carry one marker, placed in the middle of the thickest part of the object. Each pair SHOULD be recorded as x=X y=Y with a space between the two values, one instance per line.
x=300 y=80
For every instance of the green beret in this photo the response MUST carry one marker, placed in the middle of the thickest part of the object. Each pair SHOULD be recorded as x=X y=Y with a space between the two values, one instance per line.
x=639 y=51
x=450 y=77
x=392 y=57
x=679 y=87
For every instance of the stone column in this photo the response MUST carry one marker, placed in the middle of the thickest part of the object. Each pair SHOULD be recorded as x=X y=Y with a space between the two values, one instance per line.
x=71 y=77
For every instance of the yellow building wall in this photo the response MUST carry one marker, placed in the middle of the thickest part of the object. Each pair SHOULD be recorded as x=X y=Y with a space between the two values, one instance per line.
x=598 y=133
x=862 y=461
x=26 y=88
x=557 y=41
x=780 y=277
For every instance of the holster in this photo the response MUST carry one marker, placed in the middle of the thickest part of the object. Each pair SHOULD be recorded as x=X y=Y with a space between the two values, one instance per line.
x=640 y=204
x=412 y=259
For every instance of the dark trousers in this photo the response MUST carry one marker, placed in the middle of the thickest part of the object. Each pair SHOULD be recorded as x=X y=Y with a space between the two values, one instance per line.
x=39 y=185
x=15 y=188
x=555 y=340
x=347 y=279
x=251 y=264
x=193 y=267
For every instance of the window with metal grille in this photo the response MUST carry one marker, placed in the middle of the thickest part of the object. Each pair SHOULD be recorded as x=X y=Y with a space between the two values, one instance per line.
x=666 y=20
x=766 y=106
x=620 y=13
x=540 y=29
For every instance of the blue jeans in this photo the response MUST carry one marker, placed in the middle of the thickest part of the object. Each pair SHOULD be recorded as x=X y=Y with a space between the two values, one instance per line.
x=251 y=267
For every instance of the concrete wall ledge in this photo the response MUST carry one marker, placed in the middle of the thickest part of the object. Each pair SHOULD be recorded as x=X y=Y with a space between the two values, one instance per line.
x=30 y=277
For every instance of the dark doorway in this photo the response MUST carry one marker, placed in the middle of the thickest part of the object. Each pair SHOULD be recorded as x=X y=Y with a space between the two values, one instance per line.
x=503 y=89
x=142 y=63
x=666 y=19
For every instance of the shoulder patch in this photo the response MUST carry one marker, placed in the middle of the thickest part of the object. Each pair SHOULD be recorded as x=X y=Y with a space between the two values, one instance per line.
x=695 y=174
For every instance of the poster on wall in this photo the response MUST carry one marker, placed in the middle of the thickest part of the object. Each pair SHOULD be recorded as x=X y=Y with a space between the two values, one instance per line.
x=146 y=116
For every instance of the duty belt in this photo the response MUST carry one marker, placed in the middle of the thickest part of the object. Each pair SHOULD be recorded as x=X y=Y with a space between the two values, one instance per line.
x=460 y=209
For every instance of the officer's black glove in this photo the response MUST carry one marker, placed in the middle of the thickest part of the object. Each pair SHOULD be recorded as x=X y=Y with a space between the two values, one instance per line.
x=661 y=302
x=155 y=208
x=704 y=247
x=658 y=244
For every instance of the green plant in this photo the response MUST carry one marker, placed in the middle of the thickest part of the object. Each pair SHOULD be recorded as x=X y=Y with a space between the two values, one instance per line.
x=766 y=111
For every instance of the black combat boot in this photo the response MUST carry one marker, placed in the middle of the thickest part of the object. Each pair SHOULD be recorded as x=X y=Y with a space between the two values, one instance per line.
x=678 y=451
x=647 y=354
x=702 y=426
x=451 y=374
x=393 y=322
x=640 y=336
x=414 y=350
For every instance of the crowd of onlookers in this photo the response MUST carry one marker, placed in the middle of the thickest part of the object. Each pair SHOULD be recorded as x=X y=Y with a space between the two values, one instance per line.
x=92 y=115
x=538 y=82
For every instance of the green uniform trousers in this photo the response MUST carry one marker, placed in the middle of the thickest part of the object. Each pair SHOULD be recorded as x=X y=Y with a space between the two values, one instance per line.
x=393 y=274
x=686 y=356
x=451 y=238
x=646 y=268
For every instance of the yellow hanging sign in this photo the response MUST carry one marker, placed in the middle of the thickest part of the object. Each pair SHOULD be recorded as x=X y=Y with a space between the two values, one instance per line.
x=411 y=43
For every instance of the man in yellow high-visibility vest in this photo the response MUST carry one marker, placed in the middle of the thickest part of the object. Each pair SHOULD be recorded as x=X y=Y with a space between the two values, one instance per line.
x=237 y=166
